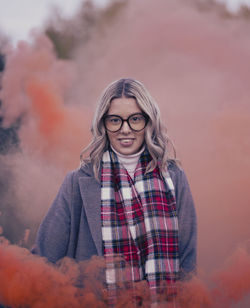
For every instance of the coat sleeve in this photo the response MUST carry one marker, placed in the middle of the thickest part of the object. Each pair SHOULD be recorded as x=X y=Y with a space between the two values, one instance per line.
x=187 y=222
x=54 y=232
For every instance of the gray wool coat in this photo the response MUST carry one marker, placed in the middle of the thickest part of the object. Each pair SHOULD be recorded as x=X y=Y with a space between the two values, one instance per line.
x=72 y=226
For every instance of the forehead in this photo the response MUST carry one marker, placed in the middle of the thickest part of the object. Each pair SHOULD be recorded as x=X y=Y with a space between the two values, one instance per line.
x=123 y=106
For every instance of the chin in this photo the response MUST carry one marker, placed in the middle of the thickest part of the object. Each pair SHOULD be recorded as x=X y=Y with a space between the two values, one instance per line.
x=127 y=151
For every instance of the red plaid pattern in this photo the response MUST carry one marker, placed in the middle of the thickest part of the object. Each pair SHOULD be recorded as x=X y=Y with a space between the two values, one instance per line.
x=139 y=226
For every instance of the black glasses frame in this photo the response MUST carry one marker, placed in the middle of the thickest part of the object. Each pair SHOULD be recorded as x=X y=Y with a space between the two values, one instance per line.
x=126 y=120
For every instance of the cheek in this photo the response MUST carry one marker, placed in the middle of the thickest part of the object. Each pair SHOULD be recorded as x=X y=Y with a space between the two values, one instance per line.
x=110 y=137
x=141 y=137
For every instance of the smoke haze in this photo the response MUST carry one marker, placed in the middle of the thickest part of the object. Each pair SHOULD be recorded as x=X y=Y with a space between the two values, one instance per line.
x=195 y=63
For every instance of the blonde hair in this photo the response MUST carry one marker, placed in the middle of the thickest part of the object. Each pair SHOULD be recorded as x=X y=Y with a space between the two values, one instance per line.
x=156 y=139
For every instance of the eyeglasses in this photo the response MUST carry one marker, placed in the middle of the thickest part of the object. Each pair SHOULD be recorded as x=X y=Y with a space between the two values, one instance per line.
x=136 y=122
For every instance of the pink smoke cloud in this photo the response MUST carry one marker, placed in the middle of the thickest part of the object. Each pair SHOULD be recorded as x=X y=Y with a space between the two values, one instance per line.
x=195 y=64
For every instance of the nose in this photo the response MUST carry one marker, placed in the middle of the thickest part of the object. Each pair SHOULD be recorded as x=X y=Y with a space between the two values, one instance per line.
x=125 y=129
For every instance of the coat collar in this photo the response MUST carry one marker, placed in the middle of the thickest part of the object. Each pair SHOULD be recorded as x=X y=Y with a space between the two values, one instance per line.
x=90 y=190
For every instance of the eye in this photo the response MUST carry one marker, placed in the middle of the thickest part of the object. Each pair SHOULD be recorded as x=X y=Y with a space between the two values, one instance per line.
x=137 y=118
x=114 y=120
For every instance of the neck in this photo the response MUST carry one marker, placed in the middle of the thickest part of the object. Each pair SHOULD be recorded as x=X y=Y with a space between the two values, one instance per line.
x=129 y=161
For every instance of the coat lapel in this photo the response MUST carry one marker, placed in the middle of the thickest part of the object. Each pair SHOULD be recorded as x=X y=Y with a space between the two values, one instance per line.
x=91 y=195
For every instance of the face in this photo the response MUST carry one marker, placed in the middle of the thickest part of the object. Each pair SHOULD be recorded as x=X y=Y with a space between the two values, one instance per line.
x=125 y=141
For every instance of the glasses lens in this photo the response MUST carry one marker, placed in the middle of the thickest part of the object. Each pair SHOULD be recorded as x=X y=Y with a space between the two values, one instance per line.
x=113 y=123
x=137 y=121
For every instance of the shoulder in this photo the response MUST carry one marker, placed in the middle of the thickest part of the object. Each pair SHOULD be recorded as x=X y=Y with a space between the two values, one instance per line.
x=177 y=175
x=184 y=199
x=81 y=171
x=71 y=179
x=174 y=169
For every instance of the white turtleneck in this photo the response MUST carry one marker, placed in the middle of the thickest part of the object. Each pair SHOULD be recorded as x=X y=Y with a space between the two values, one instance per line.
x=129 y=161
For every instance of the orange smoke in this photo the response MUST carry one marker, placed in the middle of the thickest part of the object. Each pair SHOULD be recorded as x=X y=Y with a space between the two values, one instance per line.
x=48 y=107
x=234 y=279
x=62 y=131
x=28 y=281
x=31 y=282
x=36 y=90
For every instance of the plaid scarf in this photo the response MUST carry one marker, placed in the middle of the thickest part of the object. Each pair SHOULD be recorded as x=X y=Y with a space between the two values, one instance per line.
x=139 y=226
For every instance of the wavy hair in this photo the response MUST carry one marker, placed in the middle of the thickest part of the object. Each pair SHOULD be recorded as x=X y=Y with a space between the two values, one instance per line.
x=156 y=138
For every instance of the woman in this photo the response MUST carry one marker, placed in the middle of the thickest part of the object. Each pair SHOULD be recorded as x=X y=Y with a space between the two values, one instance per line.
x=128 y=199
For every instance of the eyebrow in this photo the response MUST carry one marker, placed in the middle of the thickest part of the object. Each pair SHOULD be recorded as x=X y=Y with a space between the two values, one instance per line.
x=116 y=115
